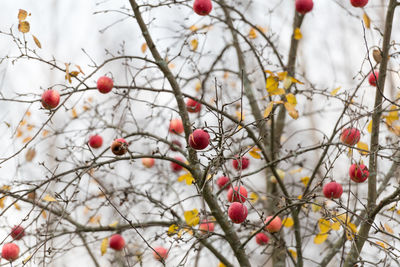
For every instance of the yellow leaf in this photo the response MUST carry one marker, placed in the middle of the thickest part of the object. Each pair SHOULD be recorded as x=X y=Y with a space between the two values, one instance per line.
x=294 y=253
x=296 y=81
x=221 y=264
x=95 y=219
x=187 y=177
x=363 y=146
x=305 y=180
x=104 y=246
x=381 y=244
x=388 y=228
x=369 y=127
x=26 y=259
x=367 y=20
x=291 y=110
x=23 y=26
x=281 y=176
x=74 y=114
x=254 y=153
x=393 y=115
x=49 y=198
x=36 y=40
x=2 y=202
x=194 y=44
x=114 y=224
x=264 y=30
x=193 y=28
x=67 y=75
x=268 y=109
x=192 y=217
x=320 y=238
x=272 y=84
x=253 y=197
x=239 y=115
x=281 y=75
x=45 y=133
x=291 y=99
x=351 y=230
x=288 y=222
x=297 y=34
x=252 y=33
x=172 y=229
x=44 y=214
x=392 y=208
x=27 y=139
x=287 y=82
x=315 y=208
x=143 y=48
x=295 y=171
x=74 y=73
x=22 y=14
x=17 y=207
x=197 y=86
x=336 y=226
x=278 y=91
x=324 y=225
x=335 y=91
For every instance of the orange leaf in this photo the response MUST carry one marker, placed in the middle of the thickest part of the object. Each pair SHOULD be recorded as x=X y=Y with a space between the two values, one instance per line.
x=367 y=20
x=36 y=40
x=143 y=47
x=22 y=14
x=23 y=26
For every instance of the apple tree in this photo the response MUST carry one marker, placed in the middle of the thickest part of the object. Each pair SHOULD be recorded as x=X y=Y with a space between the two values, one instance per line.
x=206 y=133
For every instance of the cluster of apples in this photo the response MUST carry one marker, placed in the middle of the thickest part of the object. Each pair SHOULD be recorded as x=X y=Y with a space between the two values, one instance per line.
x=51 y=97
x=118 y=147
x=10 y=251
x=305 y=6
x=117 y=242
x=357 y=172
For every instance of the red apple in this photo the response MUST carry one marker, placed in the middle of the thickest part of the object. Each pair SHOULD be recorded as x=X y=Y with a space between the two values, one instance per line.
x=206 y=227
x=175 y=166
x=262 y=239
x=175 y=145
x=105 y=84
x=273 y=225
x=193 y=106
x=10 y=252
x=237 y=194
x=119 y=146
x=17 y=232
x=358 y=173
x=332 y=190
x=199 y=139
x=359 y=3
x=304 y=6
x=50 y=99
x=95 y=141
x=240 y=163
x=202 y=7
x=237 y=212
x=162 y=253
x=371 y=78
x=148 y=162
x=350 y=136
x=222 y=181
x=117 y=242
x=176 y=126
